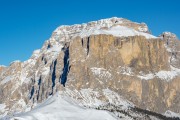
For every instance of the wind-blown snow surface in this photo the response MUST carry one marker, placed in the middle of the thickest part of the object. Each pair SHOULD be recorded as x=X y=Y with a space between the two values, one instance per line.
x=118 y=31
x=61 y=107
x=113 y=26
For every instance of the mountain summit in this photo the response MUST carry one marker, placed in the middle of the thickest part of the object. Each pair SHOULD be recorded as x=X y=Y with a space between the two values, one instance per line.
x=112 y=65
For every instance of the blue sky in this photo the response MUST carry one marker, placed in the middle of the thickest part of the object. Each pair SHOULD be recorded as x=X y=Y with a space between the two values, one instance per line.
x=26 y=24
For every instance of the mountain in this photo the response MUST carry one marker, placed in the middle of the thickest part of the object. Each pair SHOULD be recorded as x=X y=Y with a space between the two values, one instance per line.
x=113 y=65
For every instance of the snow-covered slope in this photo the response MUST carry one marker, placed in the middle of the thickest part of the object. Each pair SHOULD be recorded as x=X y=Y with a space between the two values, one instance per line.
x=63 y=108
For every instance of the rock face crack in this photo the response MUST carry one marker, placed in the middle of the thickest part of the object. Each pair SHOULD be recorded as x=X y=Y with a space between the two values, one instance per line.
x=39 y=84
x=63 y=77
x=88 y=45
x=82 y=42
x=32 y=92
x=149 y=54
x=54 y=74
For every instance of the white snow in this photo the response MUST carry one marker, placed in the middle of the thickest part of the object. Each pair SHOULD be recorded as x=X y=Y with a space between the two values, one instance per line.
x=144 y=28
x=167 y=75
x=45 y=71
x=5 y=80
x=3 y=110
x=119 y=31
x=163 y=75
x=52 y=53
x=146 y=76
x=169 y=34
x=111 y=26
x=169 y=49
x=21 y=102
x=16 y=61
x=85 y=97
x=2 y=107
x=101 y=72
x=36 y=53
x=2 y=66
x=114 y=98
x=92 y=98
x=55 y=48
x=125 y=71
x=172 y=114
x=63 y=108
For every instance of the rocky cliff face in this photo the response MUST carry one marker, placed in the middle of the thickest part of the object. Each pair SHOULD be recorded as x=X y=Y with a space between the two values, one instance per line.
x=124 y=65
x=108 y=61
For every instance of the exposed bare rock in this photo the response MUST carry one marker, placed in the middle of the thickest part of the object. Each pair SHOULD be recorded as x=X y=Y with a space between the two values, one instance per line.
x=173 y=47
x=105 y=63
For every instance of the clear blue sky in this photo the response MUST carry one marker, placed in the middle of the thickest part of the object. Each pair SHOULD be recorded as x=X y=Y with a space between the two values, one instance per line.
x=26 y=24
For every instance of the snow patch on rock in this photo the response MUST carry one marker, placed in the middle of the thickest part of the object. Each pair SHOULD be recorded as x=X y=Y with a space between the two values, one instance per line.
x=163 y=75
x=3 y=110
x=125 y=71
x=101 y=72
x=172 y=114
x=114 y=98
x=146 y=76
x=5 y=80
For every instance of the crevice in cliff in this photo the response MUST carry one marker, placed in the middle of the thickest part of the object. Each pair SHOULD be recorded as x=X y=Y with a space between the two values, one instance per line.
x=133 y=63
x=39 y=84
x=44 y=59
x=32 y=92
x=88 y=40
x=66 y=68
x=149 y=54
x=117 y=42
x=49 y=46
x=53 y=78
x=82 y=42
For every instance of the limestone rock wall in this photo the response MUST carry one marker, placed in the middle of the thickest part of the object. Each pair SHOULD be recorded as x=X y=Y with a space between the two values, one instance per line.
x=97 y=61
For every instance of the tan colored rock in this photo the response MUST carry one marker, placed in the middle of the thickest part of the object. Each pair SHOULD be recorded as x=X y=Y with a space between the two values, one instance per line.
x=108 y=53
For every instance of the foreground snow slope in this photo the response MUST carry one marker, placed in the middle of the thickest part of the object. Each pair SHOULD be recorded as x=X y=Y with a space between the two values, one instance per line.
x=63 y=108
